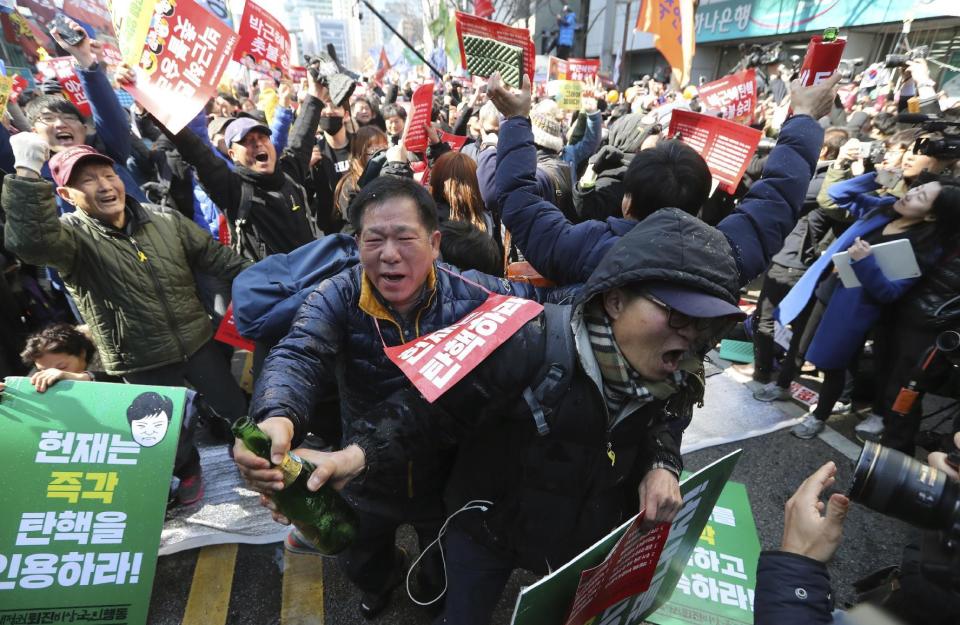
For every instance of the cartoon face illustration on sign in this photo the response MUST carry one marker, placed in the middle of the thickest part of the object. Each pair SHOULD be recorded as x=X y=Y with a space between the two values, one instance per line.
x=149 y=416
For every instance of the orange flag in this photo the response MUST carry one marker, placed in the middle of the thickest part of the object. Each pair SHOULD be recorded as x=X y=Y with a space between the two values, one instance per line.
x=671 y=23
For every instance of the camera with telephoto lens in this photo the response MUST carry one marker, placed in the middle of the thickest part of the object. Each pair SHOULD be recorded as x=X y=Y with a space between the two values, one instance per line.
x=946 y=147
x=900 y=60
x=896 y=485
x=325 y=71
x=758 y=55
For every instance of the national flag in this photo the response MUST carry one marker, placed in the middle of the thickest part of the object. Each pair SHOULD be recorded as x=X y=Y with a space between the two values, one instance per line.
x=671 y=23
x=483 y=8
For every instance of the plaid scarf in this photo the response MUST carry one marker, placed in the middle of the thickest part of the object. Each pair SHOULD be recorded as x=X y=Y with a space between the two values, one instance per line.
x=621 y=382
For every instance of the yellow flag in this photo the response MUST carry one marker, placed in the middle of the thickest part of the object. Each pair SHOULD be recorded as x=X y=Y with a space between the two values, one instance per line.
x=671 y=24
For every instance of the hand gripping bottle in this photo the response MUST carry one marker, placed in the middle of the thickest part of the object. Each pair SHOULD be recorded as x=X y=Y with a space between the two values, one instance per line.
x=823 y=57
x=323 y=517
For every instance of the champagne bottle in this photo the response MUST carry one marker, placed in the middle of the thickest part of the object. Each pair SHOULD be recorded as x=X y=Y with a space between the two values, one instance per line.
x=323 y=517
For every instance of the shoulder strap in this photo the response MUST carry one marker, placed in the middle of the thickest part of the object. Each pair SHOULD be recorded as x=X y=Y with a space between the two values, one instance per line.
x=559 y=360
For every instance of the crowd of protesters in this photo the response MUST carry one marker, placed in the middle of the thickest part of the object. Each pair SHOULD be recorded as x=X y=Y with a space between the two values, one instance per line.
x=124 y=243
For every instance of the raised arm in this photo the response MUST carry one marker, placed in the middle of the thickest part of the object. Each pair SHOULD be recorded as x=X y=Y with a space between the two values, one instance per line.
x=757 y=228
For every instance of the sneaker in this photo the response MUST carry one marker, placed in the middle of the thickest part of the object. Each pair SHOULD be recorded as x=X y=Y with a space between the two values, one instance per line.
x=296 y=543
x=771 y=392
x=372 y=604
x=808 y=427
x=842 y=407
x=870 y=429
x=191 y=490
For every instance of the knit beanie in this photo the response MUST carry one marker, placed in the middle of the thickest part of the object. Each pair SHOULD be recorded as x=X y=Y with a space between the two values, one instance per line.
x=546 y=132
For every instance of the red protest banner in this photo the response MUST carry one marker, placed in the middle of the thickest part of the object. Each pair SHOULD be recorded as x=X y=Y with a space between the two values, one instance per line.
x=61 y=69
x=415 y=132
x=726 y=146
x=227 y=332
x=437 y=361
x=111 y=55
x=186 y=51
x=626 y=572
x=264 y=42
x=584 y=70
x=472 y=25
x=454 y=141
x=734 y=95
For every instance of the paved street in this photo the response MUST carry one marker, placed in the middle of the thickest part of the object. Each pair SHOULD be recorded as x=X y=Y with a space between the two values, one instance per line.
x=260 y=585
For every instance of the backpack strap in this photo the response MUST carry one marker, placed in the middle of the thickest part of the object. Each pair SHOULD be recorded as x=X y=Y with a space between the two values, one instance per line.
x=552 y=381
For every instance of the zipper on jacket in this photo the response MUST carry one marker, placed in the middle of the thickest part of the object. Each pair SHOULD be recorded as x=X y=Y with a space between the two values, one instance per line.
x=166 y=305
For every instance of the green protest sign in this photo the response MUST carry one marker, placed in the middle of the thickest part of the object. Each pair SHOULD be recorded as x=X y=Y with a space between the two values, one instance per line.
x=717 y=585
x=86 y=471
x=548 y=601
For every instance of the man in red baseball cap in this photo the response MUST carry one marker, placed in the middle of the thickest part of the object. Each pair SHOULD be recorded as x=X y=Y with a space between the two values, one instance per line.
x=130 y=269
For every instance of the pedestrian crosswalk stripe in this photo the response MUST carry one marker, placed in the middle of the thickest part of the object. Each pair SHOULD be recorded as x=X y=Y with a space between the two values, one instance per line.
x=302 y=590
x=210 y=592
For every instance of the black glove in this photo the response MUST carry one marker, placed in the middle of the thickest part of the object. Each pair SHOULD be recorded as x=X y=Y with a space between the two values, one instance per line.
x=608 y=157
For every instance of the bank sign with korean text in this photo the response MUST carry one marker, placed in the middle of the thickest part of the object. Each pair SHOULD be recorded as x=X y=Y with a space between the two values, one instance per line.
x=721 y=20
x=86 y=469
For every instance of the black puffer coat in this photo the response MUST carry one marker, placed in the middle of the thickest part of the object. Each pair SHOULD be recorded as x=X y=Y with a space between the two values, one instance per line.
x=553 y=495
x=928 y=304
x=335 y=343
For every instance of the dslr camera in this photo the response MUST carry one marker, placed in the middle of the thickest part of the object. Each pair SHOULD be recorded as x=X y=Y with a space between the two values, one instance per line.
x=900 y=60
x=325 y=70
x=946 y=147
x=896 y=485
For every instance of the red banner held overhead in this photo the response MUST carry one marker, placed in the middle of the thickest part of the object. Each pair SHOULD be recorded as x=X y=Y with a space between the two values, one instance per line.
x=726 y=146
x=185 y=54
x=19 y=84
x=435 y=362
x=264 y=43
x=415 y=132
x=61 y=69
x=735 y=96
x=584 y=70
x=472 y=25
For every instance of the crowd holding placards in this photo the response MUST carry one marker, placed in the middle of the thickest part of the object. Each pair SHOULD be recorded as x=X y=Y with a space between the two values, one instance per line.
x=468 y=301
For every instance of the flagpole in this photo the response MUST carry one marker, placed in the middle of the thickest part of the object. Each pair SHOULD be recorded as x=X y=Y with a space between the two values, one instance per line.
x=402 y=39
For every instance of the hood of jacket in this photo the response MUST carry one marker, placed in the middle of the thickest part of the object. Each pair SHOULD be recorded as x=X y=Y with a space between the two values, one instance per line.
x=670 y=246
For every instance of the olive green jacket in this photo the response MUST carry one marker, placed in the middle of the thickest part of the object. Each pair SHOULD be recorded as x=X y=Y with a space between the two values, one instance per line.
x=136 y=291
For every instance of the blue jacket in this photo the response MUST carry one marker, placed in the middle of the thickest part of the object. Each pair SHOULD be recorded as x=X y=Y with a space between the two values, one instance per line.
x=567 y=24
x=851 y=313
x=791 y=590
x=568 y=253
x=856 y=195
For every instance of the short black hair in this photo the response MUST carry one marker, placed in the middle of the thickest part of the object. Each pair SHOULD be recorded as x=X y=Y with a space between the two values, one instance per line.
x=149 y=404
x=467 y=247
x=885 y=124
x=387 y=187
x=59 y=338
x=52 y=103
x=671 y=174
x=393 y=110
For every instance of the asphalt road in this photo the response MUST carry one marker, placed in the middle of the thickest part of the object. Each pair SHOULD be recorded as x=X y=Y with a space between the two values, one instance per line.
x=771 y=467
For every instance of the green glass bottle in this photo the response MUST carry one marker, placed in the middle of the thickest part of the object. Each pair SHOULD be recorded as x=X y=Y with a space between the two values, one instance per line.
x=323 y=517
x=830 y=33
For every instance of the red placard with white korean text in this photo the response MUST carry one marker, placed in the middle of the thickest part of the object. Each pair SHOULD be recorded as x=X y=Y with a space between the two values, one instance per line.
x=415 y=132
x=626 y=572
x=472 y=25
x=61 y=68
x=584 y=70
x=455 y=142
x=186 y=52
x=435 y=362
x=726 y=146
x=227 y=332
x=735 y=96
x=264 y=42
